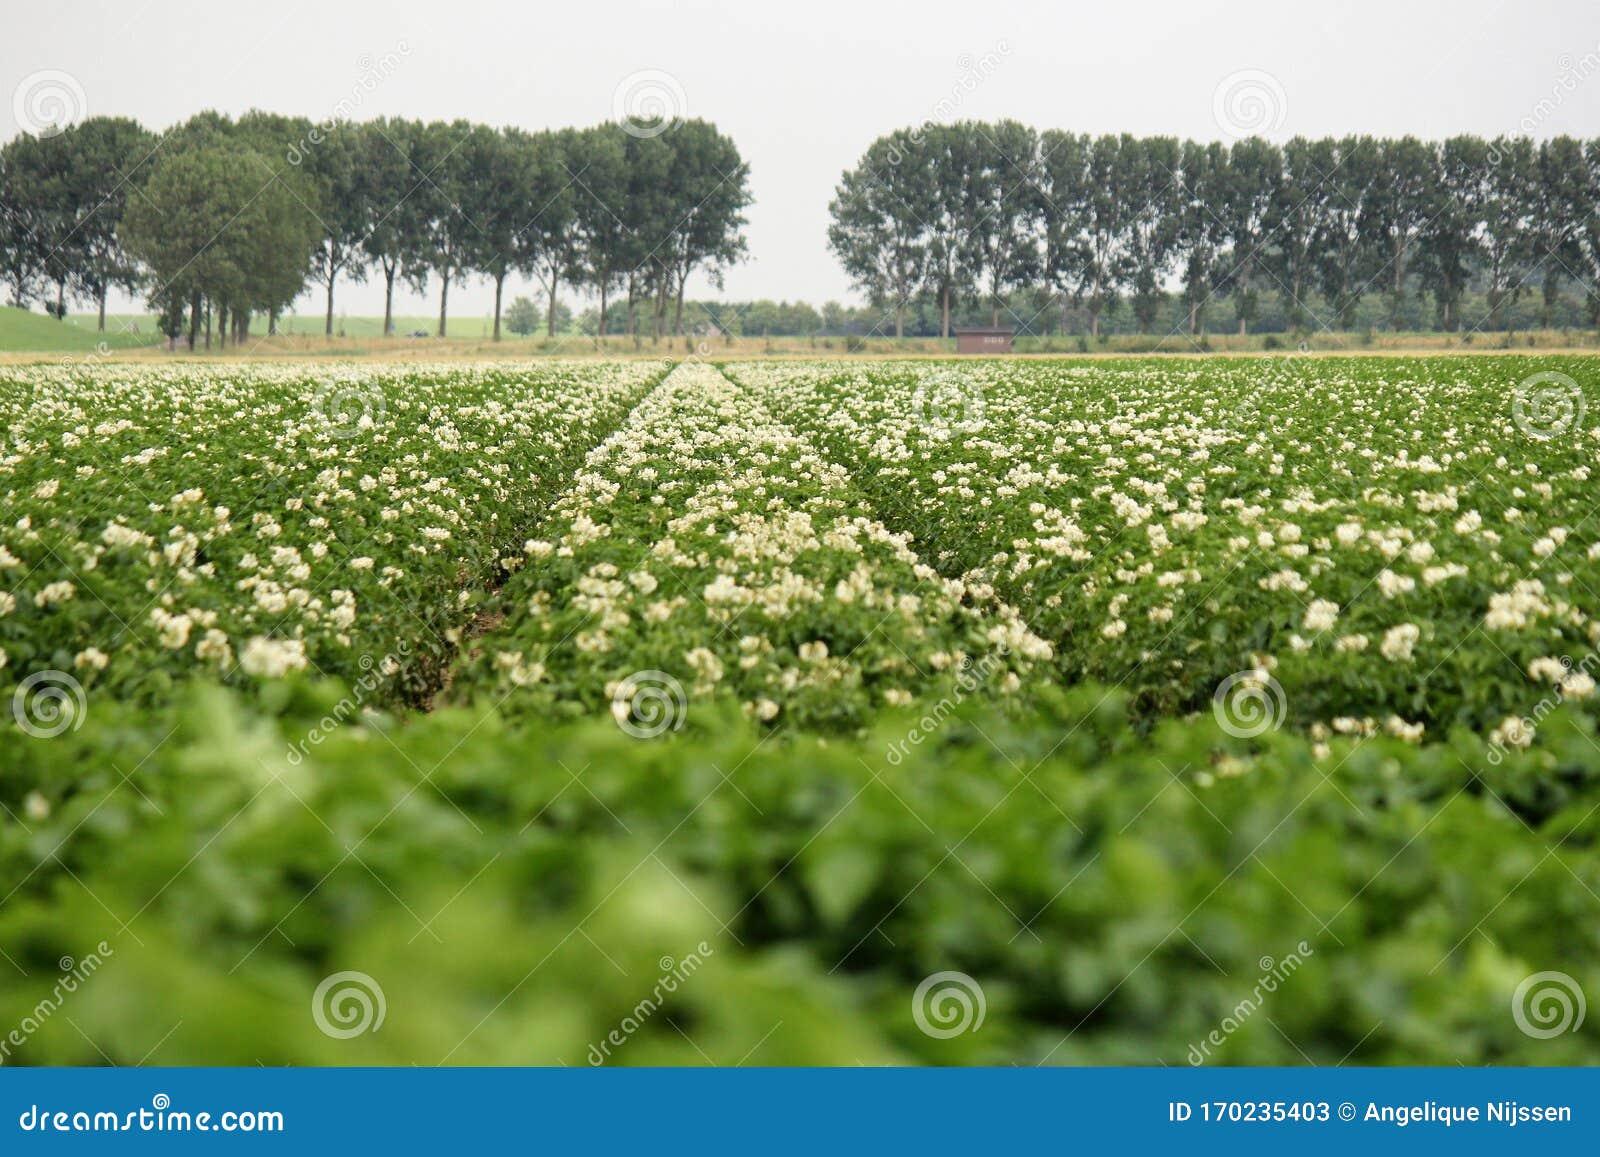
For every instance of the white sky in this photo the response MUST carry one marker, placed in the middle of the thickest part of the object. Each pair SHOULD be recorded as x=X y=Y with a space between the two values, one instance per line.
x=804 y=88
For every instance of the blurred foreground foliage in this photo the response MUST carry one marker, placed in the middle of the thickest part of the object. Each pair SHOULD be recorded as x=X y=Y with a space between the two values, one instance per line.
x=516 y=892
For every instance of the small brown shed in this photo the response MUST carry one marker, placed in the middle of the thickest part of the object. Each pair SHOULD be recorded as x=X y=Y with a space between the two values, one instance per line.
x=984 y=340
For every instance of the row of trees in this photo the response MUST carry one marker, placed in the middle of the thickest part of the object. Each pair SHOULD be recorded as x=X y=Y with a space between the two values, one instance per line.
x=236 y=218
x=1038 y=313
x=991 y=211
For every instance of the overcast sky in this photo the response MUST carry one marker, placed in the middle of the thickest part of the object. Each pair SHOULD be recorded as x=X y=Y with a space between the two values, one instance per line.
x=804 y=88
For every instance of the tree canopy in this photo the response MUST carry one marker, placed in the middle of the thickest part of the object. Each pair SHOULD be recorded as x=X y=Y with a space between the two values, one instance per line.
x=996 y=214
x=218 y=218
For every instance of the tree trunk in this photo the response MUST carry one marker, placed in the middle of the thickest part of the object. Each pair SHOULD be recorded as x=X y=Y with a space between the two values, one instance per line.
x=328 y=329
x=103 y=309
x=550 y=315
x=1094 y=321
x=994 y=315
x=499 y=285
x=1399 y=294
x=272 y=322
x=944 y=311
x=194 y=321
x=677 y=318
x=208 y=325
x=628 y=325
x=222 y=327
x=444 y=300
x=900 y=319
x=388 y=300
x=61 y=300
x=602 y=333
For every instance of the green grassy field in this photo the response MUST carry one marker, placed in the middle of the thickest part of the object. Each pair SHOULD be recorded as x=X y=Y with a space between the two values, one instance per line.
x=314 y=325
x=31 y=332
x=27 y=330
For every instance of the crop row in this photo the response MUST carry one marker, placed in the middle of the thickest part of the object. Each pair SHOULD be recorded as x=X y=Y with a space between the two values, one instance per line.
x=254 y=521
x=706 y=549
x=518 y=895
x=1386 y=543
